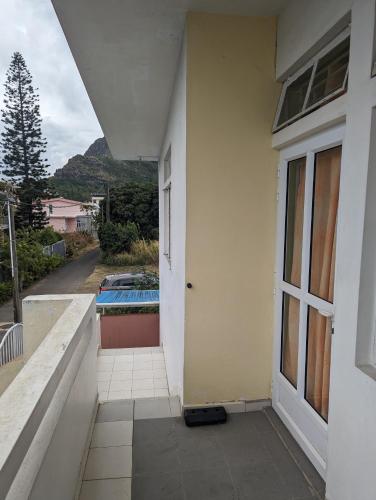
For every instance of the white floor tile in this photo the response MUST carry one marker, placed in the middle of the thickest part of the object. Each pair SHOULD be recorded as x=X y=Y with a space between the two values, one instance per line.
x=124 y=357
x=142 y=357
x=158 y=356
x=157 y=349
x=142 y=365
x=161 y=393
x=114 y=395
x=102 y=396
x=112 y=434
x=160 y=383
x=120 y=385
x=142 y=393
x=111 y=462
x=108 y=489
x=142 y=374
x=142 y=350
x=123 y=366
x=147 y=383
x=103 y=385
x=106 y=359
x=121 y=375
x=103 y=376
x=159 y=373
x=159 y=363
x=103 y=366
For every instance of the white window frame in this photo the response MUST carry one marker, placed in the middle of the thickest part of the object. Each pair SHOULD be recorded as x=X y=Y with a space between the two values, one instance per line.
x=311 y=63
x=167 y=207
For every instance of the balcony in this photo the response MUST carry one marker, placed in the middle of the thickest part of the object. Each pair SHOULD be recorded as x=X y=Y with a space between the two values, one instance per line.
x=57 y=443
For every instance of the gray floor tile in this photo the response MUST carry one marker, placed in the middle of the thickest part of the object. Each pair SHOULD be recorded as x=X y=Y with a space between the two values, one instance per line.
x=243 y=449
x=106 y=489
x=107 y=463
x=152 y=408
x=145 y=431
x=114 y=411
x=112 y=434
x=259 y=482
x=299 y=456
x=260 y=421
x=156 y=456
x=198 y=448
x=208 y=484
x=154 y=446
x=157 y=487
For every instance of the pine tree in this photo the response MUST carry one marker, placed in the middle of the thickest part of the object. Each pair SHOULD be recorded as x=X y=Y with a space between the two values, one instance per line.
x=23 y=146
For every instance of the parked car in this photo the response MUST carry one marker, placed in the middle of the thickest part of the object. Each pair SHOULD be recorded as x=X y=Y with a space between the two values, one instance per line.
x=129 y=281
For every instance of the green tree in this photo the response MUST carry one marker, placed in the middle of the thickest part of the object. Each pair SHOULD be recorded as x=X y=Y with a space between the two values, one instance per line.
x=137 y=203
x=23 y=146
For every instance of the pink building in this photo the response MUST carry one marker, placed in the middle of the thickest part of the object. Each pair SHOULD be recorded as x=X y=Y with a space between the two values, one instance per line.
x=68 y=216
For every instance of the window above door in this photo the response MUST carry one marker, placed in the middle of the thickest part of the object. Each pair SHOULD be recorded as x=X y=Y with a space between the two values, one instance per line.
x=319 y=81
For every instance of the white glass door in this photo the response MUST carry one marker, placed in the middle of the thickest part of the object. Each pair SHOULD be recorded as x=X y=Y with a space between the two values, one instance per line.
x=309 y=179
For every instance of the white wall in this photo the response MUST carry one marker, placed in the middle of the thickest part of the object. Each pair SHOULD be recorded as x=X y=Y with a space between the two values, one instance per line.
x=302 y=24
x=172 y=277
x=352 y=424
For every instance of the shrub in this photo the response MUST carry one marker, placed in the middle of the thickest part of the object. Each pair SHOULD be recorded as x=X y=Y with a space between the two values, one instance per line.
x=142 y=253
x=5 y=291
x=75 y=242
x=32 y=263
x=46 y=236
x=116 y=238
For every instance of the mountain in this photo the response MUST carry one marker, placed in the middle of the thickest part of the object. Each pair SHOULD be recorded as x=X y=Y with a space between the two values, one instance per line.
x=90 y=173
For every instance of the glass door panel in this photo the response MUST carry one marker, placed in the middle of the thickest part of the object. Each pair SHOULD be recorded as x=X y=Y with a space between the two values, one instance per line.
x=319 y=341
x=294 y=221
x=290 y=339
x=324 y=221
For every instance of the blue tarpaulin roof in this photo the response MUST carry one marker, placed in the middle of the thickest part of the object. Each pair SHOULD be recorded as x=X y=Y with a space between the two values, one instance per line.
x=128 y=297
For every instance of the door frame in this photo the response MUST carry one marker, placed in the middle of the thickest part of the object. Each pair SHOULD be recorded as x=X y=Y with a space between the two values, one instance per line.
x=308 y=427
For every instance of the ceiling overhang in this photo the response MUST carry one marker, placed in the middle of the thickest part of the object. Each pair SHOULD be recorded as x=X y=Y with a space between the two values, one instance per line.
x=127 y=53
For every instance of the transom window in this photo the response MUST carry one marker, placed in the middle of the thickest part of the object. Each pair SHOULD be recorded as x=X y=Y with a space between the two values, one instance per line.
x=322 y=79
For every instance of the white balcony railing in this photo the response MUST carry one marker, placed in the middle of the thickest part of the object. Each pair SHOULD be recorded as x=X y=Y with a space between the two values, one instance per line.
x=11 y=347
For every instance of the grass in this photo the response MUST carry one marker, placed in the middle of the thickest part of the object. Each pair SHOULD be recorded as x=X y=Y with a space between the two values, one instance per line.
x=142 y=253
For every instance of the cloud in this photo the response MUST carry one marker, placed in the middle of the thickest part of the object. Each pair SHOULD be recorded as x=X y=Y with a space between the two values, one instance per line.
x=68 y=119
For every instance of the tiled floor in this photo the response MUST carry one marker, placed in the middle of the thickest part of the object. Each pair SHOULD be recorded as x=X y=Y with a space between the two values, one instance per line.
x=247 y=458
x=142 y=450
x=108 y=468
x=131 y=373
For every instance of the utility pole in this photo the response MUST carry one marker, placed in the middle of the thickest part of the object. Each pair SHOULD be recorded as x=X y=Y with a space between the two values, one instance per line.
x=108 y=218
x=14 y=263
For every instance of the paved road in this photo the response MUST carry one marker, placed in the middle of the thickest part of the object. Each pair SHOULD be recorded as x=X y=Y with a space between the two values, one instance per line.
x=66 y=279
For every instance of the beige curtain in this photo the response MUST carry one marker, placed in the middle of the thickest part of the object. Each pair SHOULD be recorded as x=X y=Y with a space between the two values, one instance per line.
x=294 y=266
x=325 y=205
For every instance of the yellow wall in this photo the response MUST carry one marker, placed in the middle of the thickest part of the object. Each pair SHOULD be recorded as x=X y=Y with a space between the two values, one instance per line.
x=231 y=193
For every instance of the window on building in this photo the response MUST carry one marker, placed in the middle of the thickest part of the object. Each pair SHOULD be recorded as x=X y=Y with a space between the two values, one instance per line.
x=167 y=206
x=322 y=79
x=50 y=209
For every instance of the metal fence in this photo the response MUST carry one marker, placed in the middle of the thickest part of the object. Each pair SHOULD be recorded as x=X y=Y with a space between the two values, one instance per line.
x=12 y=344
x=58 y=248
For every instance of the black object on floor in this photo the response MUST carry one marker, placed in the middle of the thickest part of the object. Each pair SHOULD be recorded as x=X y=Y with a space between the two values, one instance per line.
x=205 y=416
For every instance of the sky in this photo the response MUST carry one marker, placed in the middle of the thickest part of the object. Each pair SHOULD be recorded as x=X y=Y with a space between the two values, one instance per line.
x=68 y=120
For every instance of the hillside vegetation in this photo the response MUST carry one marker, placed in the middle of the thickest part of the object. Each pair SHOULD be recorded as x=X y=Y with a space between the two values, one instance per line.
x=90 y=173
